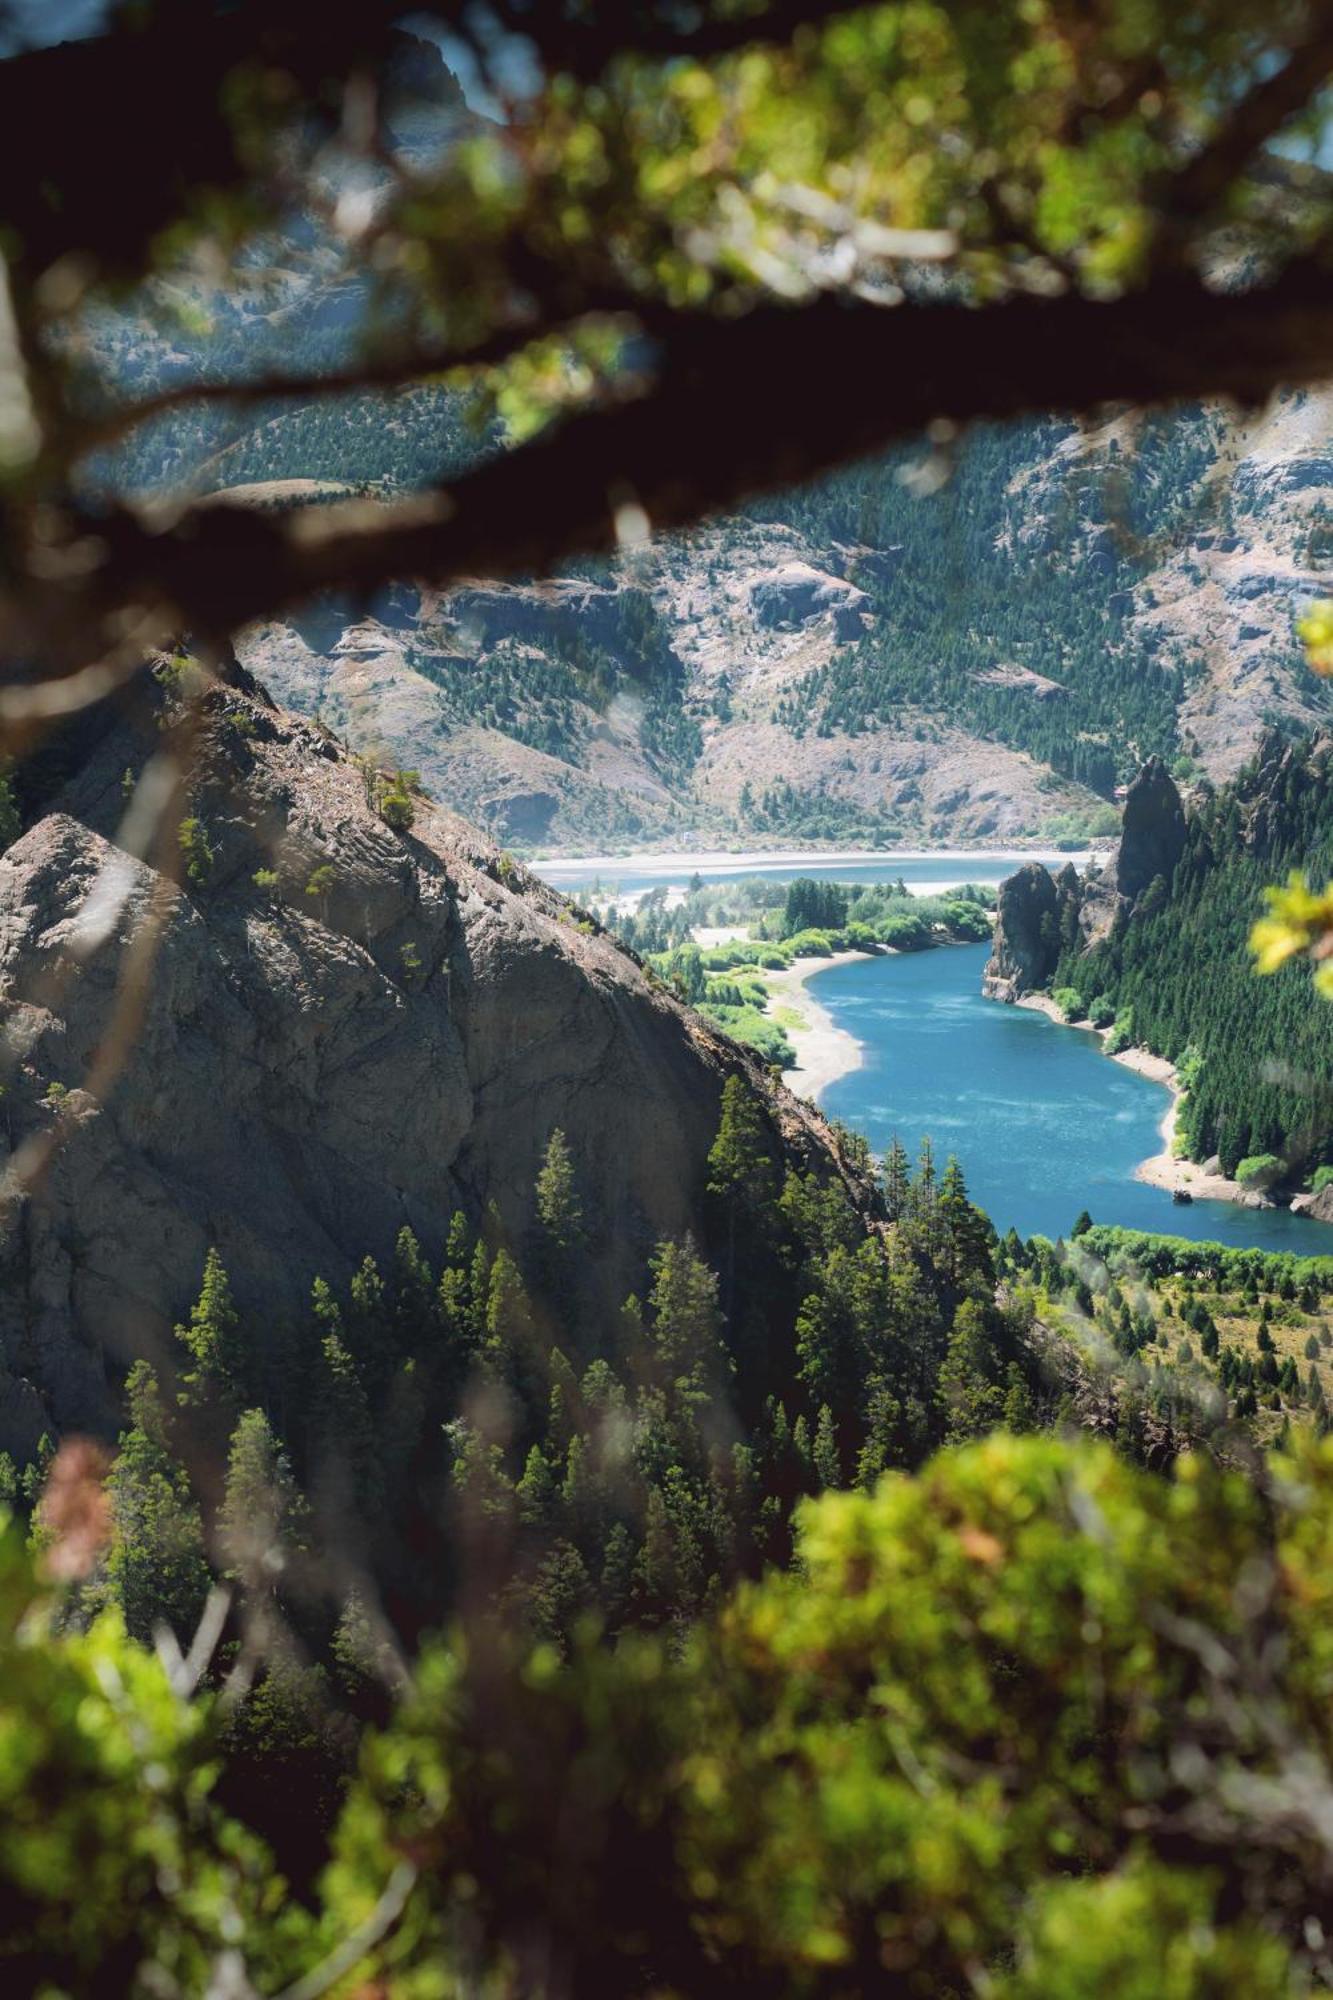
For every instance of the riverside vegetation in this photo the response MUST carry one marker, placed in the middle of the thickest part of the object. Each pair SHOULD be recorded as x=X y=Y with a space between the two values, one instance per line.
x=779 y=924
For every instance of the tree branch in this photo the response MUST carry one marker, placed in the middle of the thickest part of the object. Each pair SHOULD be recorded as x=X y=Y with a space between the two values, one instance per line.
x=1197 y=189
x=391 y=371
x=741 y=405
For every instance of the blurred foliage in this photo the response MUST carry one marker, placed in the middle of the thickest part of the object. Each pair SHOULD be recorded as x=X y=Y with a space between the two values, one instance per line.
x=1299 y=924
x=1031 y=1720
x=916 y=149
x=116 y=1871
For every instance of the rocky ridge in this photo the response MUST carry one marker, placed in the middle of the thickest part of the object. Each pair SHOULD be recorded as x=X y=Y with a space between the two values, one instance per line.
x=1038 y=915
x=344 y=1029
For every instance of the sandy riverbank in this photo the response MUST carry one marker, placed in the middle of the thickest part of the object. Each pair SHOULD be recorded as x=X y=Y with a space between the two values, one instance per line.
x=824 y=1051
x=1163 y=1169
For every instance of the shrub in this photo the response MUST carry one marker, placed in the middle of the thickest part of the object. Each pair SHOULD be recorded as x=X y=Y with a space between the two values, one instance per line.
x=904 y=930
x=1070 y=1002
x=1260 y=1170
x=1122 y=1034
x=811 y=944
x=924 y=1751
x=1101 y=1013
x=196 y=853
x=394 y=802
x=1323 y=1176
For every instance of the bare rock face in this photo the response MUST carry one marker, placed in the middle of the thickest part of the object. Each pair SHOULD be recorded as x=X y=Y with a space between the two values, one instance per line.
x=1152 y=837
x=1027 y=934
x=1152 y=840
x=382 y=1028
x=796 y=593
x=1318 y=1206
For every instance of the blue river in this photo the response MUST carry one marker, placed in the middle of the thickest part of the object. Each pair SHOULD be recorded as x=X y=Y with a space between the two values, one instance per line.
x=1042 y=1120
x=1044 y=1123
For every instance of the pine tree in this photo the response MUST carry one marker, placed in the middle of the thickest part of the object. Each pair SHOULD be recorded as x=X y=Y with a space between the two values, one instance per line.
x=686 y=1324
x=536 y=1490
x=156 y=1570
x=617 y=1575
x=263 y=1521
x=739 y=1165
x=559 y=1210
x=213 y=1340
x=742 y=1184
x=972 y=1399
x=827 y=1464
x=413 y=1296
x=964 y=1252
x=510 y=1349
x=363 y=1660
x=921 y=1199
x=1018 y=1414
x=346 y=1451
x=897 y=1180
x=370 y=1332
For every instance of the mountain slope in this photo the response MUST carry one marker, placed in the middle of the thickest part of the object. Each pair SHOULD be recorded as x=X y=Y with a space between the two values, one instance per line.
x=1158 y=942
x=864 y=660
x=346 y=1029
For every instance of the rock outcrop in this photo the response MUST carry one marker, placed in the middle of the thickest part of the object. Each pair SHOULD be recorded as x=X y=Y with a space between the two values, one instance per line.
x=1027 y=934
x=797 y=593
x=1038 y=915
x=1152 y=835
x=1319 y=1207
x=339 y=1030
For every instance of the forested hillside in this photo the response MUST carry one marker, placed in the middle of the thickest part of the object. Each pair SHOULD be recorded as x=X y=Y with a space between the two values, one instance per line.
x=1255 y=1055
x=987 y=658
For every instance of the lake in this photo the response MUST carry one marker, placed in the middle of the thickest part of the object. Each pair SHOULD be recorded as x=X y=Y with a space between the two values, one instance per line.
x=1043 y=1122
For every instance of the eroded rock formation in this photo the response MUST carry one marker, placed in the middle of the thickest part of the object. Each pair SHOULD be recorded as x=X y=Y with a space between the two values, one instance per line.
x=1038 y=915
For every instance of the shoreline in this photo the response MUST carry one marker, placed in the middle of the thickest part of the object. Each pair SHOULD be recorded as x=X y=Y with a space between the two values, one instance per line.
x=747 y=860
x=824 y=1052
x=1162 y=1169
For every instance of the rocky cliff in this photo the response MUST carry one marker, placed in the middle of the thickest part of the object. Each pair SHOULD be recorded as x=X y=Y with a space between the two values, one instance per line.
x=1038 y=916
x=338 y=1029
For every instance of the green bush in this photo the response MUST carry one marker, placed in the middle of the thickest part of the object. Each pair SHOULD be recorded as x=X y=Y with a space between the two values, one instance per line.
x=1070 y=1002
x=196 y=852
x=905 y=930
x=1122 y=1034
x=1260 y=1170
x=756 y=1030
x=811 y=944
x=116 y=1873
x=1322 y=1178
x=1101 y=1013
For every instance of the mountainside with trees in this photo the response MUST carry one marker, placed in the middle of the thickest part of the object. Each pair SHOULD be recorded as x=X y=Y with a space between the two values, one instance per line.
x=986 y=659
x=1155 y=946
x=980 y=642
